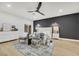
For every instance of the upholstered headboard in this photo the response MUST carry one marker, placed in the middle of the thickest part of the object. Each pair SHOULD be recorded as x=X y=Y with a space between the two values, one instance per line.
x=46 y=30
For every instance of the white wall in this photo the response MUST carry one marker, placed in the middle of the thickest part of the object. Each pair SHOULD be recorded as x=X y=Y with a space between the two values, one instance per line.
x=14 y=20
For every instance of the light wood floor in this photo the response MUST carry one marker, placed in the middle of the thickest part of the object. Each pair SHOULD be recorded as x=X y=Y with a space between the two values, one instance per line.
x=6 y=49
x=66 y=48
x=61 y=48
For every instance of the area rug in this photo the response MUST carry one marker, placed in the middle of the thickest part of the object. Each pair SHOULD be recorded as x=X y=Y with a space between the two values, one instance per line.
x=28 y=50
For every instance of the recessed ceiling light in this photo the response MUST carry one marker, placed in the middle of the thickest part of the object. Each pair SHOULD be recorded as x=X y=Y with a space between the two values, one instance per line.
x=60 y=10
x=8 y=5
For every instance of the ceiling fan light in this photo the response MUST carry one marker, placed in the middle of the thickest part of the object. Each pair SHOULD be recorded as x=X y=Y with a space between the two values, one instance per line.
x=8 y=5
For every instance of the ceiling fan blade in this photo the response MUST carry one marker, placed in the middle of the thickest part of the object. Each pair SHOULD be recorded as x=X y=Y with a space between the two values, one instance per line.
x=41 y=13
x=37 y=10
x=39 y=5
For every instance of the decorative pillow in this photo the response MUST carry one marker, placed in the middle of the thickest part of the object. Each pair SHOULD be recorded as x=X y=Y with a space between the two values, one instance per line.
x=42 y=35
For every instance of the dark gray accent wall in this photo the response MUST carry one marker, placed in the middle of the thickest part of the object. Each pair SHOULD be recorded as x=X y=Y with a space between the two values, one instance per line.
x=77 y=27
x=69 y=25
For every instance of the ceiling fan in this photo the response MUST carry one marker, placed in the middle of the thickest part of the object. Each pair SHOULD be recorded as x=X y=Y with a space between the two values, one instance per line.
x=38 y=9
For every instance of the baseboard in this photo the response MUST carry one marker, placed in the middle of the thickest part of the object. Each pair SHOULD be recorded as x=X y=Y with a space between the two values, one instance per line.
x=7 y=41
x=68 y=39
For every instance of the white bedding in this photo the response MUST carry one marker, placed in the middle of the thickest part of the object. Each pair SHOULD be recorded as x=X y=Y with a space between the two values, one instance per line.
x=46 y=30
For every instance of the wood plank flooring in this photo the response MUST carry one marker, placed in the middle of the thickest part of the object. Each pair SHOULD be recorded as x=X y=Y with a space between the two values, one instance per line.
x=6 y=49
x=61 y=48
x=66 y=48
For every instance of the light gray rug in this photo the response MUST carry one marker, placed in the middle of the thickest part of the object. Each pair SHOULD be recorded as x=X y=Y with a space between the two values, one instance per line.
x=29 y=50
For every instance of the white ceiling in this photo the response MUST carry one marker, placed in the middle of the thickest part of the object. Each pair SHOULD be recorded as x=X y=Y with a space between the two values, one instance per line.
x=50 y=9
